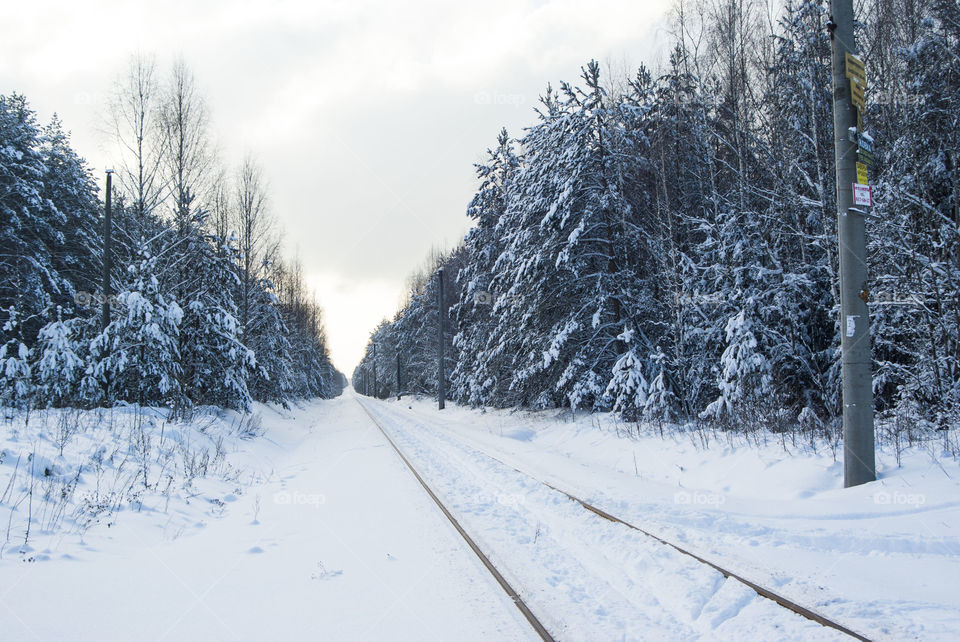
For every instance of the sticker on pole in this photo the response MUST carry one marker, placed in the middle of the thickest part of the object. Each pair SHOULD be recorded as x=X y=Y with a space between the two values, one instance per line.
x=862 y=195
x=852 y=325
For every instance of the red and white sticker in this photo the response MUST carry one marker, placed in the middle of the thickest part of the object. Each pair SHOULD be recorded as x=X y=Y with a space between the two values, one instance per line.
x=862 y=195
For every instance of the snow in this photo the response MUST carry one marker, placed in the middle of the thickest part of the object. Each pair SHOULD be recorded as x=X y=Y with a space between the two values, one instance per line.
x=316 y=530
x=880 y=558
x=323 y=535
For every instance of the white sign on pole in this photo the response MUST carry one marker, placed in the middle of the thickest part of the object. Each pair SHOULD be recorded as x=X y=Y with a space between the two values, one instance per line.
x=852 y=325
x=862 y=195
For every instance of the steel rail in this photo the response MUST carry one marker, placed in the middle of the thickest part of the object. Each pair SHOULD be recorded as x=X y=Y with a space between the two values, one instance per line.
x=760 y=590
x=514 y=596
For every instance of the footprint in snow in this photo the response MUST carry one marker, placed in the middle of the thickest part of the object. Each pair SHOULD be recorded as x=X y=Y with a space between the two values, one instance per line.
x=323 y=574
x=255 y=549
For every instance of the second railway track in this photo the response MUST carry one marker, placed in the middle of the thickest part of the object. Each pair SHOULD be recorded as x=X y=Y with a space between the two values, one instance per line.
x=541 y=630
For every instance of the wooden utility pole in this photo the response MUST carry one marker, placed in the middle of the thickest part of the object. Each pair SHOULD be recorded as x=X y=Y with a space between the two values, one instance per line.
x=441 y=375
x=854 y=198
x=107 y=252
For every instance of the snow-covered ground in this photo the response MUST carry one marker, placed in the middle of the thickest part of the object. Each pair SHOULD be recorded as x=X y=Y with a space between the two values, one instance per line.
x=315 y=530
x=881 y=558
x=318 y=532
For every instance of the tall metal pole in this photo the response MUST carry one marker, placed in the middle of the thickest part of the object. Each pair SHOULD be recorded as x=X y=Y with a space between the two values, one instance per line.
x=858 y=437
x=398 y=374
x=107 y=253
x=376 y=385
x=441 y=376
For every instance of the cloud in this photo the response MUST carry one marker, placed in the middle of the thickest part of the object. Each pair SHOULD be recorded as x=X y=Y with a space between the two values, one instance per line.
x=366 y=116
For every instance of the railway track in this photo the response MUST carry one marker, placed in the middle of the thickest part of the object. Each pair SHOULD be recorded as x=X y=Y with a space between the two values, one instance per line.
x=541 y=630
x=509 y=590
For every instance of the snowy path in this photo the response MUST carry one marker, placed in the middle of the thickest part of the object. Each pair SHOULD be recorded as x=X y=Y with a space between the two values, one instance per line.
x=583 y=576
x=348 y=547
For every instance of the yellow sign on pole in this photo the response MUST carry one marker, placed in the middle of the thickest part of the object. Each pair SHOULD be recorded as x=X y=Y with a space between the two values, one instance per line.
x=857 y=74
x=862 y=174
x=855 y=69
x=858 y=95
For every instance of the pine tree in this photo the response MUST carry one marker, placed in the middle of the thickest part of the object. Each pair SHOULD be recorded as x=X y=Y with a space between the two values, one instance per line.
x=915 y=250
x=30 y=226
x=59 y=367
x=69 y=186
x=476 y=375
x=136 y=357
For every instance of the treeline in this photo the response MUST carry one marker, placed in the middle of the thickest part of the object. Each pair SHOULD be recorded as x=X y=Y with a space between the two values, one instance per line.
x=203 y=308
x=667 y=246
x=406 y=350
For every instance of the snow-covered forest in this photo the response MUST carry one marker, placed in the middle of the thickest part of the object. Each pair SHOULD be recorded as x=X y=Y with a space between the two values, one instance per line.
x=665 y=244
x=204 y=309
x=651 y=425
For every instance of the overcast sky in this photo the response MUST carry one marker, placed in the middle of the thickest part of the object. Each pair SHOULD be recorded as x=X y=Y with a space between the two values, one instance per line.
x=367 y=117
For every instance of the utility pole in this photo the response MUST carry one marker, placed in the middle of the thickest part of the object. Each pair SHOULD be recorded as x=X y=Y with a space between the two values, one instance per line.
x=398 y=374
x=441 y=377
x=376 y=385
x=107 y=253
x=853 y=199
